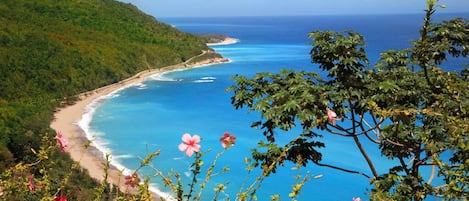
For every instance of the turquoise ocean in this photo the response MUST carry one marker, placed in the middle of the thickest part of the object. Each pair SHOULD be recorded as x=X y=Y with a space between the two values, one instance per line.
x=154 y=114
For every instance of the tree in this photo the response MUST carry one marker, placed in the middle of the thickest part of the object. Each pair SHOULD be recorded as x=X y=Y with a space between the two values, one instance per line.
x=416 y=112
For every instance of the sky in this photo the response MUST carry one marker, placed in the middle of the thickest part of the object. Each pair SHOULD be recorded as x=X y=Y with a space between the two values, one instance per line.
x=207 y=8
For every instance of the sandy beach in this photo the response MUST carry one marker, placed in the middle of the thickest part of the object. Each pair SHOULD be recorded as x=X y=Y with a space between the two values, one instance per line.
x=226 y=41
x=66 y=120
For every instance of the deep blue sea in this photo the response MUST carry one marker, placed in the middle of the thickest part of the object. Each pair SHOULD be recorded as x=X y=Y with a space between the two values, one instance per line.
x=154 y=114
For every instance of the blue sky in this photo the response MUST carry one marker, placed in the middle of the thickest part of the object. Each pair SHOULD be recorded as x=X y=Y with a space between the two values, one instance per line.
x=175 y=8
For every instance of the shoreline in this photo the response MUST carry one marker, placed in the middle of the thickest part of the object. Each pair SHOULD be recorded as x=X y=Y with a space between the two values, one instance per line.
x=226 y=41
x=67 y=120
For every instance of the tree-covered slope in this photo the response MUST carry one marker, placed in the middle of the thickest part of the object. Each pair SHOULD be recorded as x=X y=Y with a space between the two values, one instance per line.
x=52 y=50
x=71 y=46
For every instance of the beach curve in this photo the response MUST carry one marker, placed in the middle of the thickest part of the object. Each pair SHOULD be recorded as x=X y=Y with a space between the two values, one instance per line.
x=66 y=120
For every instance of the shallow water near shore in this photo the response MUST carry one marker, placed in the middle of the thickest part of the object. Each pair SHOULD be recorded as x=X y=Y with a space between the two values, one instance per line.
x=154 y=114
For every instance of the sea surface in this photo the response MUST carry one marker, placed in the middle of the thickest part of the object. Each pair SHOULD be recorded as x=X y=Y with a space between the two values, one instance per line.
x=153 y=115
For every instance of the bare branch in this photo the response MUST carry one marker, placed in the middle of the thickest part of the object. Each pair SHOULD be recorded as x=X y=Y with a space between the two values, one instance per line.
x=339 y=133
x=359 y=145
x=404 y=165
x=375 y=129
x=343 y=169
x=392 y=142
x=371 y=139
x=432 y=175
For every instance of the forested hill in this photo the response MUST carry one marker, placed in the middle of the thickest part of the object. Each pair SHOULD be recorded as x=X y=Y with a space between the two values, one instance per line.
x=52 y=50
x=71 y=46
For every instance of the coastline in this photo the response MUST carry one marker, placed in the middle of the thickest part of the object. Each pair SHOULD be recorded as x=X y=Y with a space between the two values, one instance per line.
x=226 y=41
x=68 y=121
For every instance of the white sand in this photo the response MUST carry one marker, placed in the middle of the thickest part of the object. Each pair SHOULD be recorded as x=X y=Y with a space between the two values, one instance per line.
x=66 y=121
x=226 y=41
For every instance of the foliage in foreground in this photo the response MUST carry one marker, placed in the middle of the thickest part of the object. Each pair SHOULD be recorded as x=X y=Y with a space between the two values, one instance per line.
x=21 y=183
x=406 y=104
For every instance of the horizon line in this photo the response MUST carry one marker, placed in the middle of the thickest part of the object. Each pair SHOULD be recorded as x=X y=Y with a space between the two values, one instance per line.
x=312 y=15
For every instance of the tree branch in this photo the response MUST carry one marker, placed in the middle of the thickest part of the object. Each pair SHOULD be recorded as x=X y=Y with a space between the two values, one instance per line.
x=432 y=175
x=359 y=145
x=375 y=129
x=343 y=169
x=404 y=165
x=346 y=134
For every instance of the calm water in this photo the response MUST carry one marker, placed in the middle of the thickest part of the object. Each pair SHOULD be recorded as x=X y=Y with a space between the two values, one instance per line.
x=154 y=114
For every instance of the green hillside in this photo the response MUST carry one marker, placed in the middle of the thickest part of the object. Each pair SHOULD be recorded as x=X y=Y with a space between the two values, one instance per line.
x=52 y=50
x=73 y=46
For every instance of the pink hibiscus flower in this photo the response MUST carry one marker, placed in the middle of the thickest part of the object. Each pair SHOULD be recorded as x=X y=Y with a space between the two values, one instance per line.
x=331 y=116
x=227 y=140
x=61 y=198
x=31 y=185
x=356 y=199
x=190 y=144
x=61 y=141
x=132 y=180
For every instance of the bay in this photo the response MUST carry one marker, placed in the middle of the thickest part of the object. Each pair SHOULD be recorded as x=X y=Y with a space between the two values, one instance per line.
x=153 y=115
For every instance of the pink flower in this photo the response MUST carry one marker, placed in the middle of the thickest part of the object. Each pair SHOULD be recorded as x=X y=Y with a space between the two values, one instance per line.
x=132 y=180
x=227 y=140
x=331 y=116
x=356 y=199
x=31 y=185
x=61 y=198
x=61 y=141
x=190 y=144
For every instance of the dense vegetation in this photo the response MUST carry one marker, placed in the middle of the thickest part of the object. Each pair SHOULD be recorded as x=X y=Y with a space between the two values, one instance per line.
x=52 y=50
x=213 y=38
x=414 y=112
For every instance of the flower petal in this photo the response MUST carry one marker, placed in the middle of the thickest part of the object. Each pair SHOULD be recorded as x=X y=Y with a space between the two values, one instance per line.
x=186 y=138
x=189 y=152
x=331 y=114
x=183 y=147
x=196 y=139
x=196 y=147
